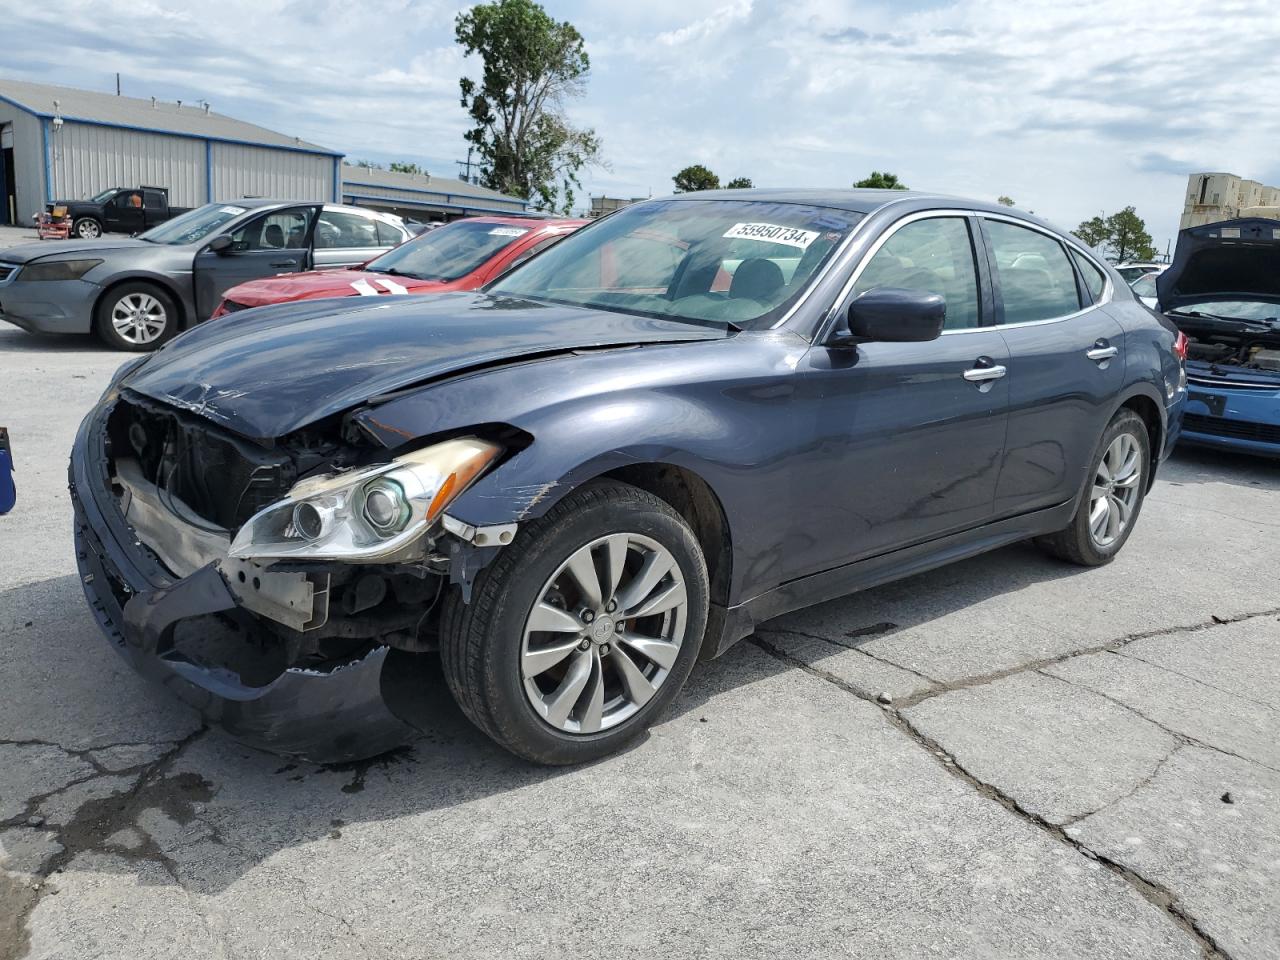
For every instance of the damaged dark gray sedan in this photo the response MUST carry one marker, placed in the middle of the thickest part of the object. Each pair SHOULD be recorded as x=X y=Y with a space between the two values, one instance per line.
x=691 y=416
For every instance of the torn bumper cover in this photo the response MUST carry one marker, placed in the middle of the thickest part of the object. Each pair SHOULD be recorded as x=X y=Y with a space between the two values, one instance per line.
x=326 y=714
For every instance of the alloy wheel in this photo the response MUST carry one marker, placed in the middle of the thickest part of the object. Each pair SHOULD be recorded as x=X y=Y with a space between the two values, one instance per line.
x=1116 y=487
x=139 y=318
x=604 y=633
x=88 y=230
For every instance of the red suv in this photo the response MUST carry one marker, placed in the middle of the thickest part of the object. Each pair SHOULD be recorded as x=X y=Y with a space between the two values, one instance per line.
x=463 y=255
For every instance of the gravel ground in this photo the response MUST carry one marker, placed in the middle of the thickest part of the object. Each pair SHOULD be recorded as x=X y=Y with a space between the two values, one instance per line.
x=1072 y=764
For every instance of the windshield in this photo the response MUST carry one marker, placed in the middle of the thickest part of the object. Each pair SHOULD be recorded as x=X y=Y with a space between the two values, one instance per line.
x=194 y=226
x=104 y=196
x=737 y=261
x=450 y=252
x=1232 y=309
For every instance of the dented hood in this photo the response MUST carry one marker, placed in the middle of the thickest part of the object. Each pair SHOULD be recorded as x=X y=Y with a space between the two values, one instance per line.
x=322 y=284
x=1231 y=260
x=267 y=372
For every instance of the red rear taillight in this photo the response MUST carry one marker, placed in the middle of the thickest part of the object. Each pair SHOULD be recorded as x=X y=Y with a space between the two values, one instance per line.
x=1181 y=345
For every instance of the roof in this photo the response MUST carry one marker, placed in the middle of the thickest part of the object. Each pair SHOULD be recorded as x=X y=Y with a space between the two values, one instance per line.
x=855 y=201
x=186 y=120
x=421 y=183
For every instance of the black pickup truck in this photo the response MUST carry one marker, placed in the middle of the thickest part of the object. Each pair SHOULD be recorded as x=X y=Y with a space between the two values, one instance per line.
x=117 y=210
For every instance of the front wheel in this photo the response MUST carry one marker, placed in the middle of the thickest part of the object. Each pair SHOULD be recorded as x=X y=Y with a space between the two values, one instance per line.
x=1110 y=506
x=87 y=228
x=136 y=316
x=581 y=631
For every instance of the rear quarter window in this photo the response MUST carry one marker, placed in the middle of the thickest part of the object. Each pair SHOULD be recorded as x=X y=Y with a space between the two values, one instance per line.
x=1095 y=280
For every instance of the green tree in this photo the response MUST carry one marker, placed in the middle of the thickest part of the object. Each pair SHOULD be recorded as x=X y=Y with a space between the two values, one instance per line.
x=695 y=177
x=882 y=181
x=1122 y=235
x=739 y=183
x=1004 y=201
x=1129 y=239
x=401 y=166
x=532 y=66
x=368 y=165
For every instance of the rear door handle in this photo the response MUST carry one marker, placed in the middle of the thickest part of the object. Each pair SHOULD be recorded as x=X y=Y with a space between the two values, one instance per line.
x=1098 y=354
x=982 y=374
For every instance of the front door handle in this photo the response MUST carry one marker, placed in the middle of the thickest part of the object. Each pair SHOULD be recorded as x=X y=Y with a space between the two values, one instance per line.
x=981 y=373
x=284 y=263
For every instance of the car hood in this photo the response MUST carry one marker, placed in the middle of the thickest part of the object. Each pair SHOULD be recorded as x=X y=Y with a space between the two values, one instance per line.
x=268 y=372
x=318 y=284
x=1231 y=260
x=26 y=252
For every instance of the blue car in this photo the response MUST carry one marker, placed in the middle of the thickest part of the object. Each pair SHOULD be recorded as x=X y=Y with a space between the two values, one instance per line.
x=689 y=417
x=1223 y=292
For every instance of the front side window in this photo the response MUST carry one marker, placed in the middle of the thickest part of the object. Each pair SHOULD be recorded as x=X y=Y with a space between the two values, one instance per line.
x=282 y=230
x=1035 y=278
x=741 y=261
x=194 y=226
x=337 y=229
x=929 y=256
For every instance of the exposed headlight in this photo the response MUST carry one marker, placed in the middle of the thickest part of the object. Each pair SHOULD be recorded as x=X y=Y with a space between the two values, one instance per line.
x=57 y=270
x=369 y=514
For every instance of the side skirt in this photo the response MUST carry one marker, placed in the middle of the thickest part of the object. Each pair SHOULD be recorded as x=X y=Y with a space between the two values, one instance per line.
x=726 y=626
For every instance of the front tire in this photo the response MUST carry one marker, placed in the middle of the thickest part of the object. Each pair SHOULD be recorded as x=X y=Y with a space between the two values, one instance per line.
x=583 y=630
x=87 y=228
x=137 y=317
x=1111 y=503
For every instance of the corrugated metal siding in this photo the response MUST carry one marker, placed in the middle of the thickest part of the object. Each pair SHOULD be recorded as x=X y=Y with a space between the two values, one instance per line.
x=87 y=159
x=240 y=171
x=350 y=187
x=28 y=161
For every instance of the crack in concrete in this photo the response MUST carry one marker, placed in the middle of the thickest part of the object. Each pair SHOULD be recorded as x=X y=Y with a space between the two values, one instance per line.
x=1196 y=680
x=1154 y=893
x=849 y=646
x=1222 y=513
x=93 y=822
x=1144 y=782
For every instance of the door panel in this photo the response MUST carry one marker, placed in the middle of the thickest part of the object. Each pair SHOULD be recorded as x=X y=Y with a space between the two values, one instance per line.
x=123 y=213
x=273 y=244
x=910 y=449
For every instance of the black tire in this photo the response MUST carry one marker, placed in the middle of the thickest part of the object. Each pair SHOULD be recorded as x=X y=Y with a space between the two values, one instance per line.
x=137 y=289
x=86 y=228
x=1076 y=543
x=480 y=642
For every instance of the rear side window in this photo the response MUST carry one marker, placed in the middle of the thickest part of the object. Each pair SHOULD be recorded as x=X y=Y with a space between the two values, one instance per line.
x=388 y=236
x=1035 y=278
x=930 y=256
x=1094 y=279
x=338 y=230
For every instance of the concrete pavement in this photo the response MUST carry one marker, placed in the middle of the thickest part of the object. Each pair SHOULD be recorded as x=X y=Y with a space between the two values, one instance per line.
x=1071 y=764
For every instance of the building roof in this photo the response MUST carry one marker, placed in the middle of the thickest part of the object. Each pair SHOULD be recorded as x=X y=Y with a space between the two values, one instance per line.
x=188 y=120
x=357 y=177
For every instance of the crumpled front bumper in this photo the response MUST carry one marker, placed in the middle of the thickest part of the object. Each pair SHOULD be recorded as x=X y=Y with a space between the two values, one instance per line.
x=326 y=716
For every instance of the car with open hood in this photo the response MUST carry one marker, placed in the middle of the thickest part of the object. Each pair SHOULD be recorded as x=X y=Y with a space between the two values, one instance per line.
x=462 y=255
x=138 y=292
x=689 y=417
x=1223 y=292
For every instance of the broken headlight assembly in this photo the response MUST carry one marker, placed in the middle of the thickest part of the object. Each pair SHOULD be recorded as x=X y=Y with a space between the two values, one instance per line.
x=367 y=514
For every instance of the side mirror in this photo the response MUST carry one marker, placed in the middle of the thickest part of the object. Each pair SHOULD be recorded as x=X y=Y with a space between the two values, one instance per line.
x=220 y=245
x=892 y=315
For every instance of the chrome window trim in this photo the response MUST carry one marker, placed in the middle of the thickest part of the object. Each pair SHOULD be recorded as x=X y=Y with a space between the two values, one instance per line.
x=836 y=262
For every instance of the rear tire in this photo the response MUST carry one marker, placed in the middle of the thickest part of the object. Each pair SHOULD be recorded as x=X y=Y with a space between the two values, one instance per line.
x=560 y=674
x=136 y=316
x=1110 y=504
x=86 y=228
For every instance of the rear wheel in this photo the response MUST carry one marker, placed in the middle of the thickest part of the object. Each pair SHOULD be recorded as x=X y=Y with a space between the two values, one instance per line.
x=87 y=228
x=583 y=629
x=136 y=316
x=1113 y=500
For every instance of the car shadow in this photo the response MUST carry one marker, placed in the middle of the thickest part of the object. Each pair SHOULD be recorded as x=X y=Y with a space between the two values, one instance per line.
x=15 y=340
x=233 y=807
x=1190 y=466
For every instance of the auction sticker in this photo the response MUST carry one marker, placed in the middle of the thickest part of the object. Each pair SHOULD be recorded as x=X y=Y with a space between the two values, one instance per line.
x=234 y=211
x=507 y=232
x=772 y=233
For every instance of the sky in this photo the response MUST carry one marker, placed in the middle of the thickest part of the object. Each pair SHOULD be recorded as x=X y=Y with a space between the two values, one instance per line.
x=1071 y=108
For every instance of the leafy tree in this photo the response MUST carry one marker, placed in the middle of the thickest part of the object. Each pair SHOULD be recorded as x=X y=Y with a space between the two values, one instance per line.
x=1004 y=201
x=882 y=181
x=368 y=165
x=695 y=177
x=739 y=183
x=1122 y=235
x=532 y=65
x=400 y=166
